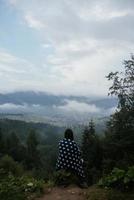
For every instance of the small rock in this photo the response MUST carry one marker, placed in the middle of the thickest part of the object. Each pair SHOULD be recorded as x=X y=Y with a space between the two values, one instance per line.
x=72 y=192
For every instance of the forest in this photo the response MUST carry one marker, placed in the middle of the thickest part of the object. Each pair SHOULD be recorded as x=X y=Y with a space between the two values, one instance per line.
x=28 y=151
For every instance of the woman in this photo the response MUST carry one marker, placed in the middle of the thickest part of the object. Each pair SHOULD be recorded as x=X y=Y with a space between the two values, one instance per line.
x=69 y=158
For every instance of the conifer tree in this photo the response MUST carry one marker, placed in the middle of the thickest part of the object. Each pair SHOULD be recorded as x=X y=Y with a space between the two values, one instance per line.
x=2 y=145
x=119 y=142
x=91 y=152
x=14 y=148
x=33 y=157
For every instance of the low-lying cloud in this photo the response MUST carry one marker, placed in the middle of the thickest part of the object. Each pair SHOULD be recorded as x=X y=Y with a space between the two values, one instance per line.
x=69 y=107
x=12 y=107
x=81 y=107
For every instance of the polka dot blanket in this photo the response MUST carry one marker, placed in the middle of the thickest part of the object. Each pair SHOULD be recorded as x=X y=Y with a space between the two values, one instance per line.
x=70 y=157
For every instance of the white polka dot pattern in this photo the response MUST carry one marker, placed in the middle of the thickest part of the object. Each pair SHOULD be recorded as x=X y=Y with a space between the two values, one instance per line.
x=69 y=157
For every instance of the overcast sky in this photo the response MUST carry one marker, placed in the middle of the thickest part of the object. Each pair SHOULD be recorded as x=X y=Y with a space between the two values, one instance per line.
x=63 y=46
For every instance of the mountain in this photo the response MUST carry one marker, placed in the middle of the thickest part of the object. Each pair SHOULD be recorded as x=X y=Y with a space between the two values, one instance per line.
x=54 y=109
x=42 y=98
x=22 y=128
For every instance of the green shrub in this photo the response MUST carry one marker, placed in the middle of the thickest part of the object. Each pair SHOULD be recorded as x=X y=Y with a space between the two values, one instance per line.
x=63 y=177
x=119 y=179
x=129 y=177
x=10 y=166
x=19 y=188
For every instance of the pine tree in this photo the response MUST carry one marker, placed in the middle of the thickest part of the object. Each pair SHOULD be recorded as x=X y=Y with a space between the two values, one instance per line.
x=119 y=141
x=14 y=148
x=91 y=151
x=33 y=157
x=2 y=144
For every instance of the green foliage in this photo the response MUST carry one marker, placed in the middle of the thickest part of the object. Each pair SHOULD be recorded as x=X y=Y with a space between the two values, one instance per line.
x=14 y=147
x=37 y=152
x=10 y=166
x=19 y=188
x=13 y=184
x=119 y=140
x=33 y=157
x=46 y=132
x=49 y=184
x=32 y=141
x=123 y=85
x=119 y=178
x=48 y=154
x=1 y=142
x=63 y=177
x=129 y=176
x=92 y=153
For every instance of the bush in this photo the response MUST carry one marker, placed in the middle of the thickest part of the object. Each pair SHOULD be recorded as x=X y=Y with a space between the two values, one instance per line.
x=19 y=188
x=129 y=178
x=10 y=166
x=120 y=179
x=64 y=177
x=11 y=189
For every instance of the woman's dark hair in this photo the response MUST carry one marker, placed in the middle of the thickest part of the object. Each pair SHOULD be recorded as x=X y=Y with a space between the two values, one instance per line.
x=69 y=134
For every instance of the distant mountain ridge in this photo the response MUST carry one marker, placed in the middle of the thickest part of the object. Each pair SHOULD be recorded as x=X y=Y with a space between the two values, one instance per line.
x=53 y=109
x=44 y=99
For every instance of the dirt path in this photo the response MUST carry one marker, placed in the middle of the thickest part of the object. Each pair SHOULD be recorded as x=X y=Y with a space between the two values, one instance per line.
x=69 y=193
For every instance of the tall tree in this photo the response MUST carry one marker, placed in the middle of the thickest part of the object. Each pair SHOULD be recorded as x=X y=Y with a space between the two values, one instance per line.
x=91 y=151
x=33 y=157
x=14 y=147
x=119 y=143
x=2 y=143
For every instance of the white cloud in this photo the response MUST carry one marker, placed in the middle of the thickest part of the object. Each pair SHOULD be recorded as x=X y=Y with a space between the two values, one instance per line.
x=75 y=106
x=101 y=11
x=33 y=22
x=46 y=45
x=111 y=110
x=13 y=2
x=11 y=106
x=82 y=42
x=72 y=112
